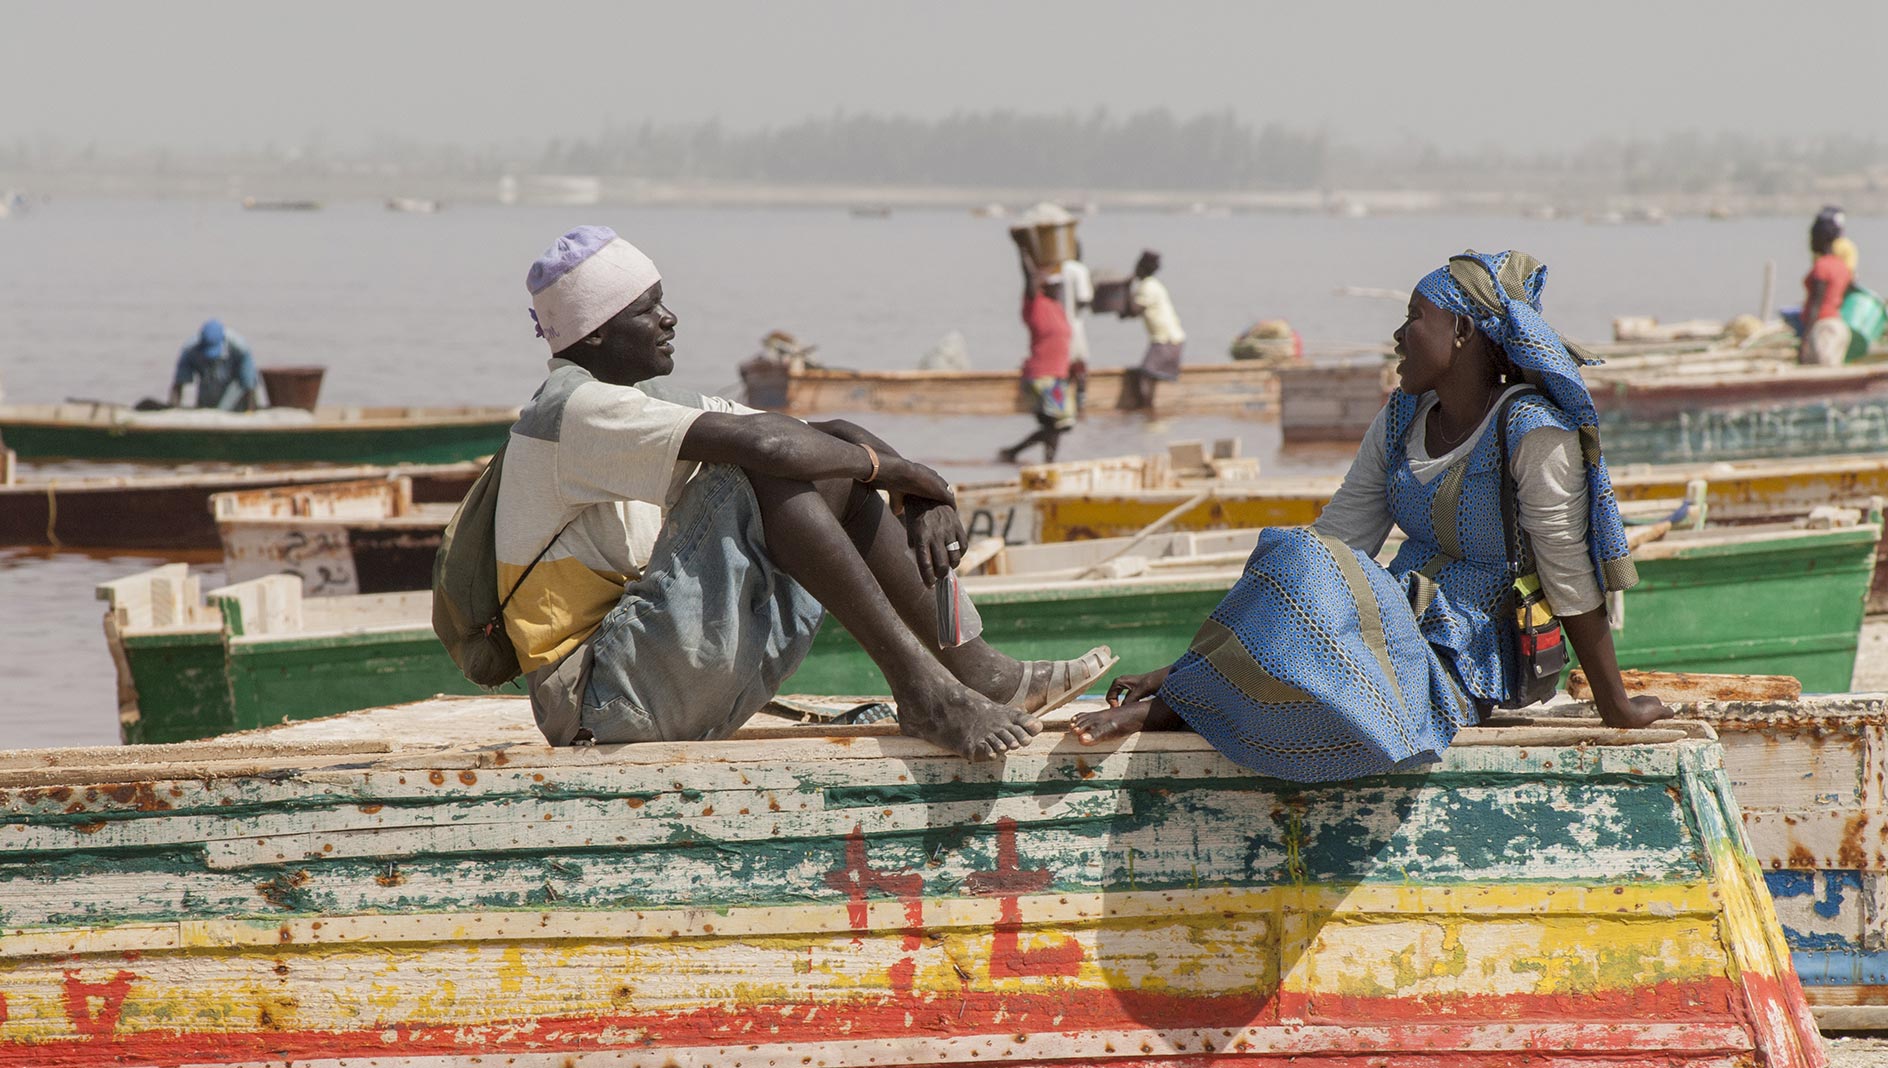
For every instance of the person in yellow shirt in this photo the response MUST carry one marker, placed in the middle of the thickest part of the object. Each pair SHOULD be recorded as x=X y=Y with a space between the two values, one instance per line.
x=1149 y=301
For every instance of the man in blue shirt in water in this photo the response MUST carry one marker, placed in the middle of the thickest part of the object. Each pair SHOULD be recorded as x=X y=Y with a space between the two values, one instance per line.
x=220 y=363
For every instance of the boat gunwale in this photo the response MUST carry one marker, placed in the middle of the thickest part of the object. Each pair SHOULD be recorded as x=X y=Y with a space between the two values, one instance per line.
x=375 y=418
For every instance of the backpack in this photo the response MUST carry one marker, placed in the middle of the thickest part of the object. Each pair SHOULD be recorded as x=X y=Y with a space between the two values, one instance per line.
x=468 y=615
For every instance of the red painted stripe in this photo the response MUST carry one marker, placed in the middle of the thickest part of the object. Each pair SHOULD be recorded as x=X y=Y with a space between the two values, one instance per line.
x=1416 y=1024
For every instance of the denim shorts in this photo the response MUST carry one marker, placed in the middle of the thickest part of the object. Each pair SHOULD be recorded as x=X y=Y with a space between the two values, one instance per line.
x=705 y=637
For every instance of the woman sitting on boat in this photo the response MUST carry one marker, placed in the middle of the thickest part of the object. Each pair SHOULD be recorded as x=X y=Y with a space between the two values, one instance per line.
x=1322 y=665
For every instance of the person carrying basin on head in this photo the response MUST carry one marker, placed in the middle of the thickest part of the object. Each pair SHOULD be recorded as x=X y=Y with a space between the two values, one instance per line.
x=1321 y=664
x=220 y=363
x=669 y=556
x=1046 y=370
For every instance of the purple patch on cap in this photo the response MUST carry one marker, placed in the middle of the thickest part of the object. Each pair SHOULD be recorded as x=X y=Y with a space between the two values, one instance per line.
x=571 y=249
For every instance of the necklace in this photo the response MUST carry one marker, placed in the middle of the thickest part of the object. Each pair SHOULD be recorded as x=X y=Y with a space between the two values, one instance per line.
x=1445 y=441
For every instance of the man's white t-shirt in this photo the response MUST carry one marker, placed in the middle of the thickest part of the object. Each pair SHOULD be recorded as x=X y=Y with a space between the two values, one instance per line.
x=600 y=463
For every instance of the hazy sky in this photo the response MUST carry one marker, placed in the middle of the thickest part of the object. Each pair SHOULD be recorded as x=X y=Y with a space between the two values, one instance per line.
x=190 y=75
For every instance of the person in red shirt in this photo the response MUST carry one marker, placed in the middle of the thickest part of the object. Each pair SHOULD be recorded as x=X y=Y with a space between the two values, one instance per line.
x=1825 y=335
x=1046 y=371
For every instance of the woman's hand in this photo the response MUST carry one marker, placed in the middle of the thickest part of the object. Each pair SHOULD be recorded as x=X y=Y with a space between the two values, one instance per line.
x=1593 y=640
x=1641 y=711
x=1130 y=688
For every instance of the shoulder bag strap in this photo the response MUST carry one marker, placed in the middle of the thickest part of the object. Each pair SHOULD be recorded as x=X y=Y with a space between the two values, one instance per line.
x=1520 y=552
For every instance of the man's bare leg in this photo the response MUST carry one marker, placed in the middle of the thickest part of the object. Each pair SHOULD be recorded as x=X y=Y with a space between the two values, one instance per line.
x=880 y=539
x=805 y=538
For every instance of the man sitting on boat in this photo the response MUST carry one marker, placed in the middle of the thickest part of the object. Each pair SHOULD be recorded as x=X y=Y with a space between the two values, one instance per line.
x=677 y=552
x=1321 y=664
x=219 y=362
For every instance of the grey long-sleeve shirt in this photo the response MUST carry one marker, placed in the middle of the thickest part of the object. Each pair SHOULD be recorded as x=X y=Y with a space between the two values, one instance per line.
x=1550 y=490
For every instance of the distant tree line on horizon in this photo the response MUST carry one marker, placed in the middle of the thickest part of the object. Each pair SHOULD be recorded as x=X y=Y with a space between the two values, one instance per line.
x=1148 y=150
x=1160 y=150
x=1152 y=150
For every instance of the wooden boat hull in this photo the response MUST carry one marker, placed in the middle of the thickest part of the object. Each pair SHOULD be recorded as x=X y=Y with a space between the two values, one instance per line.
x=370 y=436
x=1205 y=387
x=1660 y=396
x=361 y=536
x=1740 y=492
x=1542 y=897
x=1789 y=605
x=1807 y=429
x=1745 y=490
x=1812 y=780
x=172 y=512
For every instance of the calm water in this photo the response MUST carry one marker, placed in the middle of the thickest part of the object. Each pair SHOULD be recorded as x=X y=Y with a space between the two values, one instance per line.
x=96 y=297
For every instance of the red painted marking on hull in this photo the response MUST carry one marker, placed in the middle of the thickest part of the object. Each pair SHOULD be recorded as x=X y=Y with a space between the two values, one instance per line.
x=1412 y=1025
x=857 y=878
x=1008 y=960
x=111 y=994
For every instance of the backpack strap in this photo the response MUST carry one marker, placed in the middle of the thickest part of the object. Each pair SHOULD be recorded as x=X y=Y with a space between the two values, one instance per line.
x=498 y=617
x=516 y=586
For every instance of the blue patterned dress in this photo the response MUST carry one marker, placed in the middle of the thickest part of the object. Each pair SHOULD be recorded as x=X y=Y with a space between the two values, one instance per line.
x=1321 y=665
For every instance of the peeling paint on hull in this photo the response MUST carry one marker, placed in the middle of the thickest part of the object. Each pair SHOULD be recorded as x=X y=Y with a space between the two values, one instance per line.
x=1541 y=897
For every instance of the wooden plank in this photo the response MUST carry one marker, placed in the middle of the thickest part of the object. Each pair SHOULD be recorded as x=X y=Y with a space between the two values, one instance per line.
x=1695 y=686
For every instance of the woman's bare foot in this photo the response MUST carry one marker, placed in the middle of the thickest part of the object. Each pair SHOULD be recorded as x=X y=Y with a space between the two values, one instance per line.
x=964 y=721
x=1119 y=721
x=1641 y=711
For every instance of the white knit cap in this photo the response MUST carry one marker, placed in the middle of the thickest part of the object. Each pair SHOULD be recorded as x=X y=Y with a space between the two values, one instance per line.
x=583 y=280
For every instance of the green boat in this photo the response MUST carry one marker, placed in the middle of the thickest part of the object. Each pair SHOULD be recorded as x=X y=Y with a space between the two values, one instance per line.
x=1767 y=599
x=77 y=431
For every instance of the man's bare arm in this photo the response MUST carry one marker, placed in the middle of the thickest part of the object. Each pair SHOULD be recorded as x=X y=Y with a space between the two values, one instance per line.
x=787 y=448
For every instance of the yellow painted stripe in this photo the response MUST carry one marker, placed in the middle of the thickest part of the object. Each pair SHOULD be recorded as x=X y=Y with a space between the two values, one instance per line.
x=1198 y=952
x=1468 y=901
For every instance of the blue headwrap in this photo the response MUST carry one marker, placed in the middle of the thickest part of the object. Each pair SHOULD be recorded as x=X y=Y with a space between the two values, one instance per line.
x=1501 y=294
x=211 y=338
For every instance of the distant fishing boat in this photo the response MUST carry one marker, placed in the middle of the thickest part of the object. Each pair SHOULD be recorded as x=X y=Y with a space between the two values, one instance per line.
x=433 y=886
x=348 y=435
x=171 y=512
x=255 y=204
x=1232 y=386
x=1658 y=402
x=415 y=205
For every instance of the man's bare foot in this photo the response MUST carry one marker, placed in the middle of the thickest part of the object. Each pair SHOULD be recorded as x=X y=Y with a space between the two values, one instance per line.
x=1119 y=721
x=965 y=722
x=1045 y=685
x=1641 y=711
